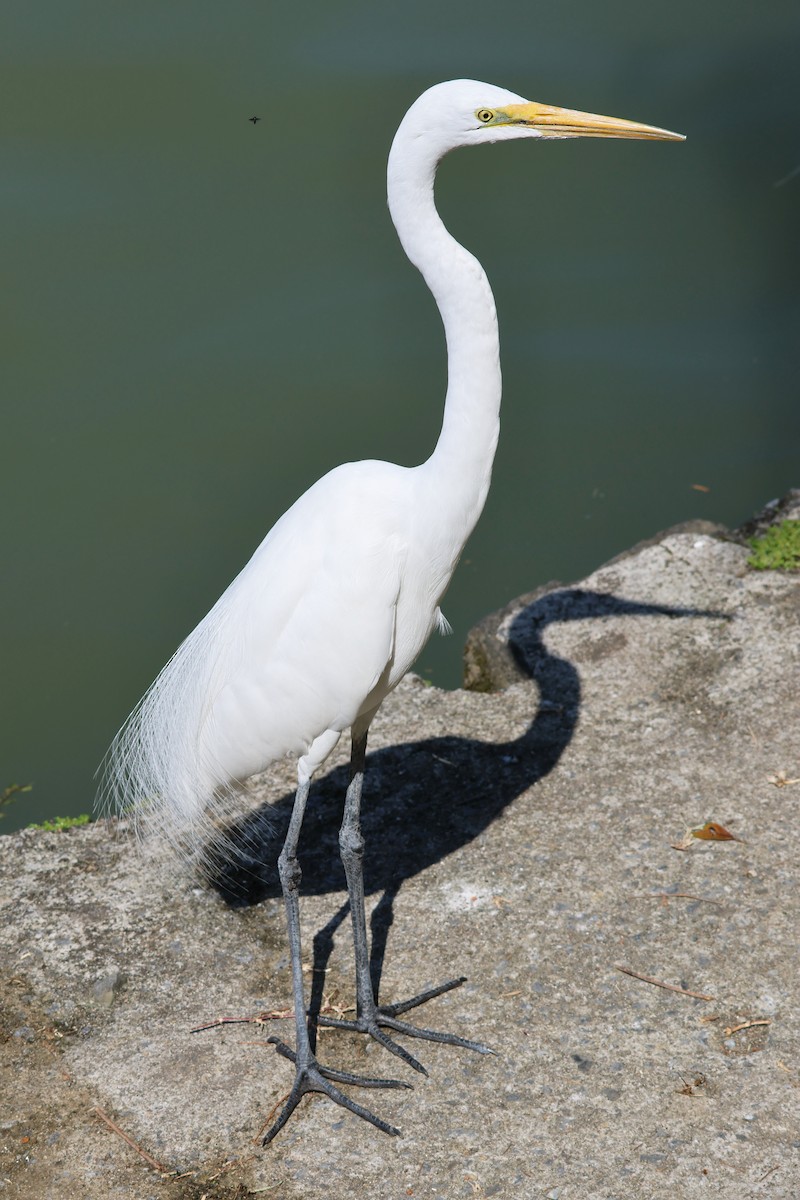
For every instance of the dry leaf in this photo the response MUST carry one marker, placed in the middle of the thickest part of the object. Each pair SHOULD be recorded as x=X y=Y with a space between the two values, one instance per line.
x=712 y=831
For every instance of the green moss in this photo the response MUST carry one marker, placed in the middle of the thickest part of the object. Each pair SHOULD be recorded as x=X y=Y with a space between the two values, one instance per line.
x=778 y=549
x=59 y=823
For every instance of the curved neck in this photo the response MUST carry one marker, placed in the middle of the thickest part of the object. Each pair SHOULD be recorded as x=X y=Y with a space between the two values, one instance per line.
x=465 y=450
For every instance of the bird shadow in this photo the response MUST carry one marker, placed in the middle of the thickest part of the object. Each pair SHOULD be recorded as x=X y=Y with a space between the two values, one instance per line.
x=423 y=800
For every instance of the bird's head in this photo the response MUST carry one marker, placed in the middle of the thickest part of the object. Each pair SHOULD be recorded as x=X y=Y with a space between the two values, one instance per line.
x=464 y=112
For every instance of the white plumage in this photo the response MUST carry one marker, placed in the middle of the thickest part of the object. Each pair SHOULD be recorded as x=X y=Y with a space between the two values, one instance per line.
x=323 y=621
x=343 y=593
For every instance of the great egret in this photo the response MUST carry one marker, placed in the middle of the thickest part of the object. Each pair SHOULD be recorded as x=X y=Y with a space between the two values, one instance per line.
x=343 y=593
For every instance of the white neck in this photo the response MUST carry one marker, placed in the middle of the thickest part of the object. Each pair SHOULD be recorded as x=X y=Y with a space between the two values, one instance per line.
x=465 y=450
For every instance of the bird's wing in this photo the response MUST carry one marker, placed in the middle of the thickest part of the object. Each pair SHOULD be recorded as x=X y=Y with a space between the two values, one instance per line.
x=310 y=626
x=291 y=649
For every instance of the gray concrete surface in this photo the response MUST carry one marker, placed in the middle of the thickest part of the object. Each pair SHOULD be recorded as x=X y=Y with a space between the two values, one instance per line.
x=523 y=838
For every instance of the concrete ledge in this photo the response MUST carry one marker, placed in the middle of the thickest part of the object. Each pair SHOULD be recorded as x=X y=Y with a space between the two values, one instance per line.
x=523 y=838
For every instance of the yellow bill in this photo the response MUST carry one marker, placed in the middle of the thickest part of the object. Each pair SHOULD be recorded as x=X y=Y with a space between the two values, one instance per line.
x=568 y=122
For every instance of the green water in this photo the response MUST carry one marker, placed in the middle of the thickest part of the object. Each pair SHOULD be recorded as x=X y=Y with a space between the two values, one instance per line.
x=202 y=315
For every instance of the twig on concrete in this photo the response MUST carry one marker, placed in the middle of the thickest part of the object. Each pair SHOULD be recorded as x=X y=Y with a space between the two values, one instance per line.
x=154 y=1163
x=671 y=987
x=259 y=1019
x=744 y=1025
x=229 y=1166
x=783 y=1067
x=682 y=896
x=329 y=1006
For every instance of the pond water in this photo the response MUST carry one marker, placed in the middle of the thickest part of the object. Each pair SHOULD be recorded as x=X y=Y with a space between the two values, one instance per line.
x=202 y=314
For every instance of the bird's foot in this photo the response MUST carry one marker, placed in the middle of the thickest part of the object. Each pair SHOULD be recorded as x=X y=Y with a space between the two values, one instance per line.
x=311 y=1076
x=374 y=1019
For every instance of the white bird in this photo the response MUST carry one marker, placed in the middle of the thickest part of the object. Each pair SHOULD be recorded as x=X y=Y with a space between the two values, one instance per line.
x=343 y=593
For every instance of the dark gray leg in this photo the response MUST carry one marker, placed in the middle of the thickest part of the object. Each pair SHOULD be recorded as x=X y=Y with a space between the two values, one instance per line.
x=369 y=1017
x=310 y=1076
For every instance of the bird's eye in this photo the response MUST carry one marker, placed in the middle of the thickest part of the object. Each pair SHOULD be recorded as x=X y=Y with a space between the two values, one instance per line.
x=484 y=115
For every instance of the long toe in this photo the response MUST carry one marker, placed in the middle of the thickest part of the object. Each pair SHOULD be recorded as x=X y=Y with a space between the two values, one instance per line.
x=433 y=1035
x=401 y=1006
x=377 y=1018
x=313 y=1077
x=335 y=1076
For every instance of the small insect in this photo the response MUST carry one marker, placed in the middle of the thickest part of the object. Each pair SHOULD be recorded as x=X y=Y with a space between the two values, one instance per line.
x=781 y=779
x=690 y=1089
x=254 y=119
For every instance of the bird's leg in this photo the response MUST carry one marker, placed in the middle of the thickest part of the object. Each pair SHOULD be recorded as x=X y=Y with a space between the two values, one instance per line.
x=370 y=1017
x=310 y=1076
